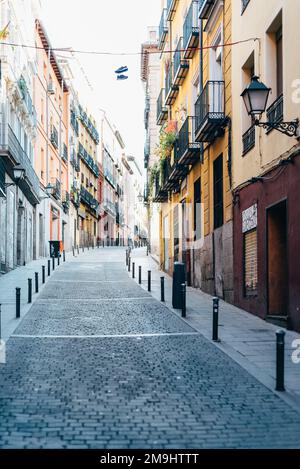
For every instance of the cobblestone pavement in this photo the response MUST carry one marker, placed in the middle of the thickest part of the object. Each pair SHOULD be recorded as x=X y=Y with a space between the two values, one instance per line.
x=98 y=363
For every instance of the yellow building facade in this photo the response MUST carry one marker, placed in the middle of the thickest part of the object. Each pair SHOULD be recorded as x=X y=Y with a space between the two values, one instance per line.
x=193 y=180
x=88 y=212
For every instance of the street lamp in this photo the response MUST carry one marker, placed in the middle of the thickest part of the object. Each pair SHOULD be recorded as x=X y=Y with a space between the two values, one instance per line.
x=18 y=174
x=255 y=98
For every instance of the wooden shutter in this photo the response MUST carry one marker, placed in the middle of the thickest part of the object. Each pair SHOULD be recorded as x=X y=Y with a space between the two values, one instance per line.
x=250 y=262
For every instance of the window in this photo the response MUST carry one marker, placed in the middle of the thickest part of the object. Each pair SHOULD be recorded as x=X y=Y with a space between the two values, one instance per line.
x=279 y=62
x=82 y=178
x=218 y=192
x=176 y=233
x=250 y=263
x=197 y=210
x=248 y=128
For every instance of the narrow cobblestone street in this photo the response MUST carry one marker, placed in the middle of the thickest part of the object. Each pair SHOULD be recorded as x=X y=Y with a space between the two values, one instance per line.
x=99 y=363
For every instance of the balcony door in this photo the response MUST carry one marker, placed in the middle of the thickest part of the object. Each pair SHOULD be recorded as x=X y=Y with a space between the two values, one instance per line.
x=215 y=74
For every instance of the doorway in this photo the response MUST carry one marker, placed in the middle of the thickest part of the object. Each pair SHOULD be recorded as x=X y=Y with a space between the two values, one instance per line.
x=166 y=243
x=277 y=250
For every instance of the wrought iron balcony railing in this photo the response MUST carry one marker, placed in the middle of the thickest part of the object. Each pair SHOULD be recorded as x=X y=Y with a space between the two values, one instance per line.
x=161 y=110
x=205 y=8
x=65 y=152
x=163 y=29
x=10 y=146
x=275 y=112
x=186 y=149
x=170 y=88
x=180 y=65
x=88 y=125
x=88 y=159
x=88 y=199
x=210 y=111
x=56 y=188
x=27 y=99
x=191 y=30
x=74 y=122
x=249 y=140
x=54 y=137
x=171 y=9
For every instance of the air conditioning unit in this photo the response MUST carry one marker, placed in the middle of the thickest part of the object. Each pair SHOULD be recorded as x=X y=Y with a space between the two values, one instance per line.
x=51 y=89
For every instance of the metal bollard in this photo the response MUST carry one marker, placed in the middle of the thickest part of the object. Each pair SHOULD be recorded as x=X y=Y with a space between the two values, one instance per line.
x=36 y=282
x=133 y=270
x=43 y=274
x=129 y=262
x=280 y=360
x=126 y=258
x=162 y=289
x=103 y=244
x=49 y=267
x=58 y=259
x=183 y=300
x=77 y=249
x=29 y=290
x=149 y=280
x=140 y=274
x=64 y=256
x=73 y=250
x=18 y=303
x=82 y=248
x=53 y=263
x=215 y=335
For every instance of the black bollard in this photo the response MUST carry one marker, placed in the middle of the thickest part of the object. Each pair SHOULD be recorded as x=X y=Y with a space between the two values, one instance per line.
x=49 y=267
x=53 y=263
x=64 y=256
x=183 y=300
x=162 y=289
x=36 y=282
x=73 y=250
x=129 y=262
x=58 y=259
x=149 y=280
x=77 y=249
x=82 y=248
x=140 y=274
x=103 y=244
x=43 y=273
x=280 y=361
x=29 y=290
x=215 y=335
x=18 y=303
x=133 y=270
x=126 y=258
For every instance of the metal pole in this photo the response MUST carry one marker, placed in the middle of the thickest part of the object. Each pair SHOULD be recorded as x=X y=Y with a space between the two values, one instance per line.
x=133 y=270
x=36 y=282
x=77 y=249
x=149 y=280
x=18 y=303
x=129 y=261
x=43 y=273
x=162 y=289
x=29 y=290
x=126 y=257
x=140 y=274
x=64 y=256
x=58 y=259
x=280 y=360
x=53 y=263
x=49 y=267
x=73 y=250
x=215 y=335
x=183 y=299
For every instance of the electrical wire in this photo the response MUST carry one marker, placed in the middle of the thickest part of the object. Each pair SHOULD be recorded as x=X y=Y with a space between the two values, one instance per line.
x=91 y=52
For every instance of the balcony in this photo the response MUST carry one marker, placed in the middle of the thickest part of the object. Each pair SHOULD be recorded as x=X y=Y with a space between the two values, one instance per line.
x=159 y=193
x=161 y=110
x=66 y=201
x=74 y=122
x=186 y=149
x=171 y=89
x=210 y=112
x=171 y=9
x=275 y=112
x=180 y=65
x=88 y=159
x=65 y=153
x=11 y=148
x=86 y=121
x=75 y=197
x=56 y=188
x=54 y=137
x=109 y=207
x=163 y=30
x=27 y=99
x=147 y=111
x=249 y=140
x=191 y=31
x=88 y=199
x=147 y=151
x=205 y=8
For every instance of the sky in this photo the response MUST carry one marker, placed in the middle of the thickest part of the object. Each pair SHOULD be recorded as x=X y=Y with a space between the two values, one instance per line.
x=113 y=26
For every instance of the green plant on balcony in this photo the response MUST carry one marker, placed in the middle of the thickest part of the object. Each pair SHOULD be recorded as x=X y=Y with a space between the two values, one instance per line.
x=152 y=177
x=167 y=138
